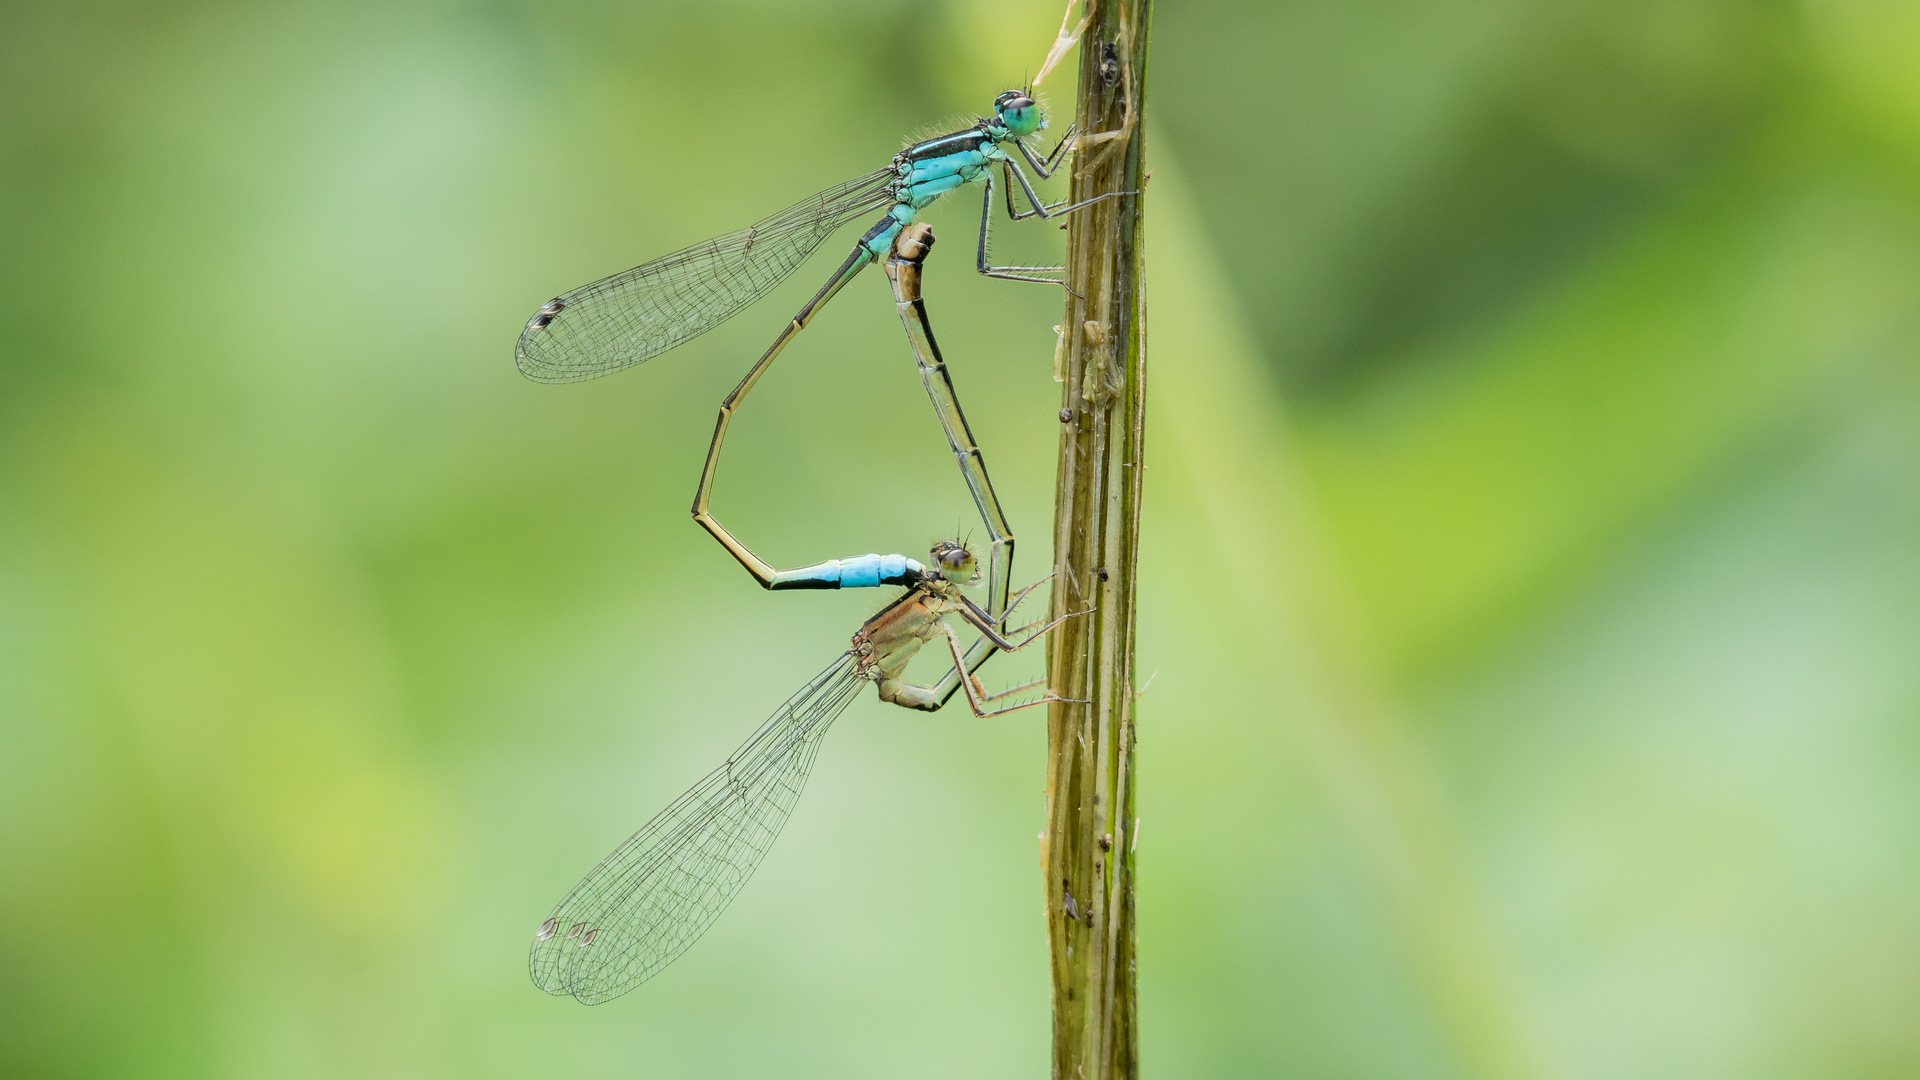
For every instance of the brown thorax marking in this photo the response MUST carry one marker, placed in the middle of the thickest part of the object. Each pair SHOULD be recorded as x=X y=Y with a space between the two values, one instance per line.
x=885 y=643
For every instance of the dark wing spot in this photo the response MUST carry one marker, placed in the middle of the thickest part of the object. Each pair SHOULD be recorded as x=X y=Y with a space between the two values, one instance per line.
x=548 y=310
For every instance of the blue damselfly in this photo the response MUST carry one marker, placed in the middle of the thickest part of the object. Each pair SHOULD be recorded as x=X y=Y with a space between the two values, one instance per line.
x=660 y=890
x=635 y=315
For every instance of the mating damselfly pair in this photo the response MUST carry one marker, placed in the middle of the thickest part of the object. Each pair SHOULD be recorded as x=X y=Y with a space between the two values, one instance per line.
x=655 y=894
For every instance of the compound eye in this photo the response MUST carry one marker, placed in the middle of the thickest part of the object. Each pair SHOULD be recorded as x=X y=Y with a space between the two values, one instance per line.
x=954 y=561
x=1019 y=113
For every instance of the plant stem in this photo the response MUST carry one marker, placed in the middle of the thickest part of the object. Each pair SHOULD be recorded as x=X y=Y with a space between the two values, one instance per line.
x=1088 y=847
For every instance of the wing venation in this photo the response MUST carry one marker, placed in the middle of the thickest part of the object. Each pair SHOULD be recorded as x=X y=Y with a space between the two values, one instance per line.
x=638 y=314
x=649 y=900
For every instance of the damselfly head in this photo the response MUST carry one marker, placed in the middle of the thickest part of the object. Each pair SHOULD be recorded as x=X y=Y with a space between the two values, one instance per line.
x=955 y=562
x=1020 y=114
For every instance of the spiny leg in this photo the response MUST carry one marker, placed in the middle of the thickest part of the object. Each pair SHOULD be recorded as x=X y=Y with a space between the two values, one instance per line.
x=939 y=693
x=985 y=265
x=1000 y=620
x=1041 y=209
x=1052 y=162
x=1024 y=627
x=977 y=697
x=1017 y=599
x=984 y=623
x=1011 y=690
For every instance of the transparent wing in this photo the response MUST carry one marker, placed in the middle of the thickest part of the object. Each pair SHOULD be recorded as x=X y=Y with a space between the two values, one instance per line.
x=658 y=892
x=638 y=314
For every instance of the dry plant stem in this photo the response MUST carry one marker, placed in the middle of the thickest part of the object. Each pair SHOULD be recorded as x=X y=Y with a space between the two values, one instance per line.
x=1087 y=850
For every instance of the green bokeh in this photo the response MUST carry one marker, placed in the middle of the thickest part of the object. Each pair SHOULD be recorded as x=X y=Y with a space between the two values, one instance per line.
x=1530 y=564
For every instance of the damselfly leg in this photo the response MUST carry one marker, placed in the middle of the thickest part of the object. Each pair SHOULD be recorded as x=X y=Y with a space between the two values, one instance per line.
x=648 y=901
x=1044 y=168
x=983 y=263
x=655 y=894
x=637 y=314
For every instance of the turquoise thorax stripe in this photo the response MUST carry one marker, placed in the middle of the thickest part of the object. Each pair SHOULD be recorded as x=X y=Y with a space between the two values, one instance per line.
x=939 y=167
x=925 y=183
x=923 y=194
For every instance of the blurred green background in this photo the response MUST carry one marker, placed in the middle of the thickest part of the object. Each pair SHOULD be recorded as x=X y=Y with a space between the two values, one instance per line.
x=1532 y=559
